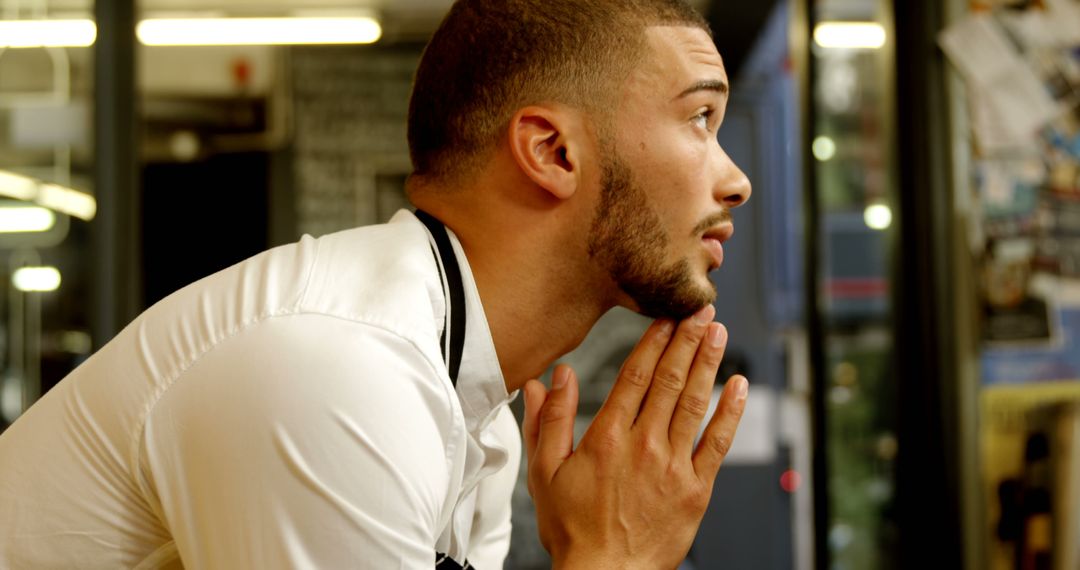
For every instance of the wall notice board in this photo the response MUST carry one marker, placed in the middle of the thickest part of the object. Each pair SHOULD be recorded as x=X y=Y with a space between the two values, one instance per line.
x=1020 y=61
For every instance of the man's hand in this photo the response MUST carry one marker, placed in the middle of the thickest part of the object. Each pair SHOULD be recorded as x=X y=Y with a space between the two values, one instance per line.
x=633 y=493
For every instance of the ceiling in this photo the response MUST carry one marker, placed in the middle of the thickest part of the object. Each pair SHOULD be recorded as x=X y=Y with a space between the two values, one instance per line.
x=265 y=6
x=735 y=24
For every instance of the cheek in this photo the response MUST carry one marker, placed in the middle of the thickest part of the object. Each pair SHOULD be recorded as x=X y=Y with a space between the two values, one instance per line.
x=681 y=191
x=670 y=165
x=679 y=170
x=670 y=158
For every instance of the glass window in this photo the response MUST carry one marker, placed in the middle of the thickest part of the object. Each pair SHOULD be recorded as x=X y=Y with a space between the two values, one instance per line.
x=46 y=199
x=854 y=172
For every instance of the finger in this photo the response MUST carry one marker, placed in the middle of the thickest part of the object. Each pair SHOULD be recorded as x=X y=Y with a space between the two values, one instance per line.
x=694 y=402
x=720 y=433
x=555 y=440
x=535 y=395
x=669 y=379
x=624 y=400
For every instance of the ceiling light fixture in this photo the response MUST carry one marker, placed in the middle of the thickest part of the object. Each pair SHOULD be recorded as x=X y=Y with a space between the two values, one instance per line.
x=53 y=196
x=20 y=219
x=36 y=279
x=850 y=35
x=47 y=33
x=257 y=31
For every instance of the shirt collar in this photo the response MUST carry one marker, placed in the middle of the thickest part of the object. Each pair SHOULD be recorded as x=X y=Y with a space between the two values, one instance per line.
x=480 y=386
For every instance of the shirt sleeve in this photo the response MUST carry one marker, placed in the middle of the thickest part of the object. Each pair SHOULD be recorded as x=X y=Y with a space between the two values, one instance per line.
x=304 y=441
x=489 y=542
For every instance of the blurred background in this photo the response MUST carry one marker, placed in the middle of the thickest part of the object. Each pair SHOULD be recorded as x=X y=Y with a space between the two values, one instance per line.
x=903 y=291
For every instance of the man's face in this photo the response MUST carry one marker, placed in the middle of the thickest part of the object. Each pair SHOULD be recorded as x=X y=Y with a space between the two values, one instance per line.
x=667 y=186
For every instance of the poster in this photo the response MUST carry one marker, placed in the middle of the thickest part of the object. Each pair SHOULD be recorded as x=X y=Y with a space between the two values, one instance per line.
x=1018 y=364
x=1009 y=414
x=1020 y=60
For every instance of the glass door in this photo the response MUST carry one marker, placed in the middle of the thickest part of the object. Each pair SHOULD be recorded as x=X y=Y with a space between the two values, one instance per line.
x=853 y=177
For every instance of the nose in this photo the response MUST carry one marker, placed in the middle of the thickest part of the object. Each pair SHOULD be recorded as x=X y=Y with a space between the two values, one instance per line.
x=732 y=186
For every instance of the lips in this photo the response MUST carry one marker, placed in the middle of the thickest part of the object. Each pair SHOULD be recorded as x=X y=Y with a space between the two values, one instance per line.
x=714 y=243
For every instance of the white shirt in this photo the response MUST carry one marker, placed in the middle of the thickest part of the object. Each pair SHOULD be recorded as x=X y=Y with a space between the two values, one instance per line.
x=292 y=411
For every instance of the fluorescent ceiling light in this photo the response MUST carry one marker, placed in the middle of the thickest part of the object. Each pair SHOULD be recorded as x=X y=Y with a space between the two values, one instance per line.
x=47 y=33
x=197 y=31
x=67 y=201
x=850 y=35
x=17 y=186
x=36 y=279
x=257 y=31
x=20 y=219
x=53 y=196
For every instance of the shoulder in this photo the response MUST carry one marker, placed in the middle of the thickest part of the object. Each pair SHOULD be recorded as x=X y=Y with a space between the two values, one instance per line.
x=385 y=276
x=381 y=276
x=312 y=386
x=305 y=358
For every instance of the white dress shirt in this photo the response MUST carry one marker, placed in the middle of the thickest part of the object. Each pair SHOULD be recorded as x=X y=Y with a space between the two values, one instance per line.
x=291 y=411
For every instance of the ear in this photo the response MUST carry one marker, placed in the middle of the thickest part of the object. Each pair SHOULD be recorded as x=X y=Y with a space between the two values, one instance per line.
x=543 y=141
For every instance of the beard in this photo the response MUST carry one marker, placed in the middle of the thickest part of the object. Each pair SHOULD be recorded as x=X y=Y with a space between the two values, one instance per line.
x=628 y=239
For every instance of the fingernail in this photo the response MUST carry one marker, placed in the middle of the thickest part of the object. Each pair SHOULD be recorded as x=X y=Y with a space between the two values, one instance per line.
x=559 y=378
x=705 y=315
x=741 y=388
x=717 y=335
x=666 y=327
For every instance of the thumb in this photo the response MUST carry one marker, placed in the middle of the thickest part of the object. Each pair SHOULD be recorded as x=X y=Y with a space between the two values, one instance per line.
x=555 y=441
x=535 y=395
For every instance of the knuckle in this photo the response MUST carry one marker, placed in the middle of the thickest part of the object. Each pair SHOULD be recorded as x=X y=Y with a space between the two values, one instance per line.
x=553 y=413
x=689 y=333
x=650 y=447
x=696 y=406
x=720 y=444
x=674 y=477
x=669 y=379
x=634 y=376
x=696 y=499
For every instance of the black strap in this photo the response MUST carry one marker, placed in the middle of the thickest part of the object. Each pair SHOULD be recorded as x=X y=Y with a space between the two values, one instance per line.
x=455 y=306
x=444 y=562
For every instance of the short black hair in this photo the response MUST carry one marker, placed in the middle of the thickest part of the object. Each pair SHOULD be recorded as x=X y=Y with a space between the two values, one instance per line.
x=490 y=58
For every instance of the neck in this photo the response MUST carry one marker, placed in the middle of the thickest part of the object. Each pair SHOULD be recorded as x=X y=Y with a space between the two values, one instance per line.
x=540 y=303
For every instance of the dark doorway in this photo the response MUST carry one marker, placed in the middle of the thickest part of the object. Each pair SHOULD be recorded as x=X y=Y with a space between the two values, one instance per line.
x=201 y=217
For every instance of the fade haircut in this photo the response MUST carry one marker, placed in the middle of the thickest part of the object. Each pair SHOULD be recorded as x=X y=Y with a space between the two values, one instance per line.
x=490 y=58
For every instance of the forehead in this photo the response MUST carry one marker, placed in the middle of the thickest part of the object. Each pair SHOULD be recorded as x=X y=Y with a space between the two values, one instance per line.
x=677 y=57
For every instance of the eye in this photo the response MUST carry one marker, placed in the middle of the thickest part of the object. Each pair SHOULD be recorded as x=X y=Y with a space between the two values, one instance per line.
x=701 y=120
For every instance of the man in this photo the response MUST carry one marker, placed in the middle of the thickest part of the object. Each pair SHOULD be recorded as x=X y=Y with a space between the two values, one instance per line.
x=341 y=402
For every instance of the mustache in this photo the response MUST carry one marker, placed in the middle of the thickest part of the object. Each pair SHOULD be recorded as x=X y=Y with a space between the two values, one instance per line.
x=712 y=221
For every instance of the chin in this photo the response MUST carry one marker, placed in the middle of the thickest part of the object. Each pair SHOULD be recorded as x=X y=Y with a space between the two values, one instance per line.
x=711 y=299
x=707 y=289
x=679 y=305
x=675 y=291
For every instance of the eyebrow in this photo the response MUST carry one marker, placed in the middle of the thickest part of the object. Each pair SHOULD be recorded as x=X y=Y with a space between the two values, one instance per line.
x=718 y=85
